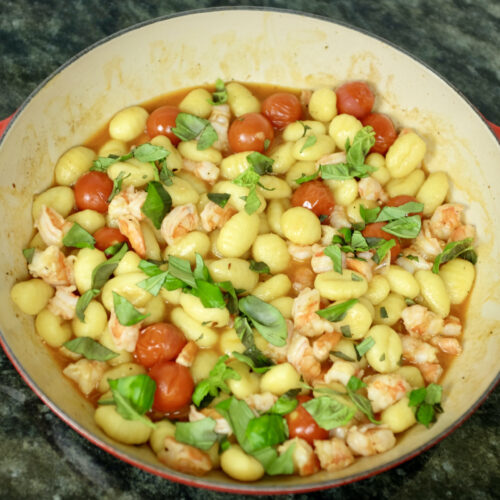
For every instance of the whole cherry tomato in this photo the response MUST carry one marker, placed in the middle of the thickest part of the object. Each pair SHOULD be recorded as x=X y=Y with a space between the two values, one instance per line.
x=108 y=236
x=282 y=109
x=402 y=199
x=159 y=342
x=92 y=191
x=316 y=196
x=374 y=230
x=250 y=132
x=161 y=121
x=355 y=98
x=302 y=425
x=174 y=386
x=385 y=133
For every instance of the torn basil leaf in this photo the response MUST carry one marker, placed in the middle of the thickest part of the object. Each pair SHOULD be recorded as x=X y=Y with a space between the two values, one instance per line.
x=252 y=202
x=286 y=403
x=369 y=215
x=329 y=413
x=266 y=430
x=200 y=434
x=260 y=163
x=90 y=349
x=220 y=95
x=117 y=185
x=392 y=213
x=427 y=401
x=77 y=237
x=407 y=227
x=181 y=269
x=249 y=361
x=220 y=199
x=453 y=250
x=363 y=347
x=103 y=271
x=259 y=267
x=337 y=312
x=383 y=312
x=83 y=302
x=28 y=254
x=275 y=464
x=343 y=356
x=306 y=178
x=252 y=352
x=157 y=204
x=382 y=248
x=148 y=152
x=310 y=141
x=126 y=313
x=153 y=284
x=346 y=331
x=189 y=127
x=335 y=253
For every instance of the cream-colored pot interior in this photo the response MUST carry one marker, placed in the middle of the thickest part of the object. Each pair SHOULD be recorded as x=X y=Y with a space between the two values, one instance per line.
x=254 y=46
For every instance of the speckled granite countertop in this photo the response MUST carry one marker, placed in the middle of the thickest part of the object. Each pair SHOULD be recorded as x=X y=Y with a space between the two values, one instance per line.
x=40 y=457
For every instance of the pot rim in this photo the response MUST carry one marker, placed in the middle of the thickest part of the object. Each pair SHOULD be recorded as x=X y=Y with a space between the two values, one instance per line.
x=253 y=489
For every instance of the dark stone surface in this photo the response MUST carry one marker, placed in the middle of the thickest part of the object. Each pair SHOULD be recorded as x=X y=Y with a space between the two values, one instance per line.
x=40 y=457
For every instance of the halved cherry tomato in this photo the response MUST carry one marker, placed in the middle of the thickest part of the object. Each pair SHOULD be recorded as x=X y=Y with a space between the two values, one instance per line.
x=385 y=133
x=174 y=386
x=250 y=132
x=159 y=342
x=282 y=109
x=355 y=98
x=316 y=196
x=92 y=191
x=161 y=121
x=374 y=230
x=302 y=425
x=108 y=236
x=402 y=199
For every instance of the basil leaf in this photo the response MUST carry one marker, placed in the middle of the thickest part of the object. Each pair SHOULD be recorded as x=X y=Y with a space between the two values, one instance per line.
x=126 y=313
x=220 y=94
x=209 y=294
x=337 y=171
x=412 y=257
x=238 y=415
x=249 y=178
x=409 y=302
x=306 y=127
x=249 y=361
x=407 y=227
x=103 y=271
x=369 y=215
x=28 y=254
x=362 y=143
x=310 y=141
x=392 y=213
x=231 y=297
x=362 y=403
x=189 y=127
x=158 y=203
x=358 y=241
x=334 y=252
x=215 y=382
x=346 y=331
x=149 y=268
x=328 y=413
x=452 y=251
x=252 y=352
x=356 y=277
x=117 y=185
x=306 y=178
x=199 y=434
x=286 y=403
x=133 y=396
x=207 y=138
x=201 y=271
x=102 y=163
x=181 y=269
x=434 y=394
x=343 y=356
x=83 y=302
x=266 y=318
x=337 y=311
x=365 y=346
x=252 y=202
x=427 y=402
x=77 y=237
x=355 y=384
x=220 y=199
x=148 y=152
x=113 y=249
x=259 y=267
x=382 y=249
x=90 y=349
x=260 y=163
x=153 y=284
x=266 y=430
x=275 y=464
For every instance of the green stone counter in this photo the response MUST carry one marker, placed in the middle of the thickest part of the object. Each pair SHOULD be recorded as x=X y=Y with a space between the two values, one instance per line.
x=41 y=457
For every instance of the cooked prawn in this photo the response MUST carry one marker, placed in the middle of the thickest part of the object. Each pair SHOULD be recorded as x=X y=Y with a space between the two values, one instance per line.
x=52 y=226
x=385 y=390
x=416 y=351
x=52 y=266
x=305 y=97
x=363 y=267
x=333 y=454
x=180 y=221
x=445 y=220
x=452 y=327
x=304 y=460
x=341 y=371
x=125 y=337
x=320 y=263
x=327 y=234
x=184 y=458
x=86 y=373
x=130 y=227
x=447 y=344
x=412 y=265
x=324 y=344
x=300 y=252
x=338 y=217
x=430 y=371
x=421 y=323
x=187 y=355
x=301 y=356
x=426 y=244
x=305 y=319
x=219 y=118
x=261 y=402
x=126 y=203
x=63 y=303
x=462 y=232
x=213 y=216
x=367 y=440
x=204 y=170
x=221 y=424
x=371 y=190
x=332 y=159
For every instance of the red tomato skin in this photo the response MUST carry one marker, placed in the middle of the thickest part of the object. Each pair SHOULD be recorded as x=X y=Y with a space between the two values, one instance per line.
x=355 y=98
x=385 y=133
x=302 y=425
x=281 y=109
x=92 y=191
x=161 y=121
x=402 y=199
x=374 y=230
x=249 y=132
x=108 y=236
x=158 y=342
x=315 y=196
x=174 y=386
